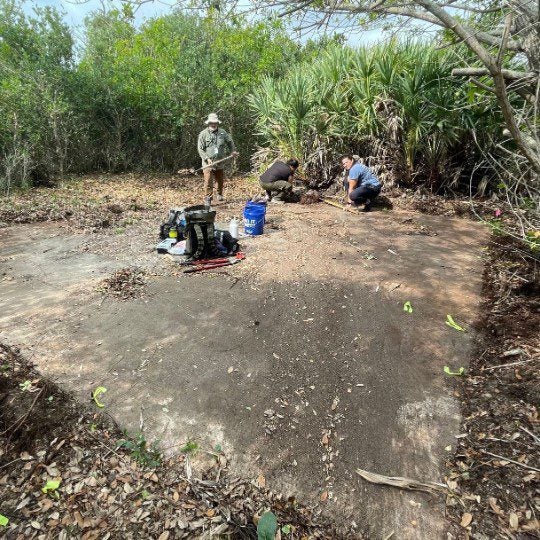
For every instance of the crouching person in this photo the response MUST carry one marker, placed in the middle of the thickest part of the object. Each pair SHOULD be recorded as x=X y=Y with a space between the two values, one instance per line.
x=361 y=184
x=277 y=181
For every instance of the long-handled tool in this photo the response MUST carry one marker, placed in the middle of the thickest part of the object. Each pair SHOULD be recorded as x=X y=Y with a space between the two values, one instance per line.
x=215 y=163
x=337 y=205
x=240 y=256
x=211 y=266
x=193 y=171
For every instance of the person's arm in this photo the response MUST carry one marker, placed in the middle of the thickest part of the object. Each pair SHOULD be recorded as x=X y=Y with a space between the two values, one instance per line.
x=353 y=181
x=352 y=185
x=201 y=148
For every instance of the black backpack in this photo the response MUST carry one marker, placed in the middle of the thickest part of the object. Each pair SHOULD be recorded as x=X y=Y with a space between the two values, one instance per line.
x=199 y=232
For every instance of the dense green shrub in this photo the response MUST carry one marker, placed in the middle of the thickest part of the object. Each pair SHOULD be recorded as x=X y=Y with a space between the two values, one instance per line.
x=395 y=104
x=136 y=97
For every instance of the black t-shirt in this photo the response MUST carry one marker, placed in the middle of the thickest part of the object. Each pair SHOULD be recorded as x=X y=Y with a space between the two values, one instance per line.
x=278 y=171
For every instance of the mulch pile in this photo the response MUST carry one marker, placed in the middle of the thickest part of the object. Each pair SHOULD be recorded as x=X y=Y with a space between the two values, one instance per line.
x=495 y=470
x=124 y=284
x=64 y=475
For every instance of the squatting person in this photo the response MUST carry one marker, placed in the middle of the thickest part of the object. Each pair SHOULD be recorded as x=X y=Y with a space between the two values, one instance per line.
x=277 y=180
x=214 y=144
x=361 y=184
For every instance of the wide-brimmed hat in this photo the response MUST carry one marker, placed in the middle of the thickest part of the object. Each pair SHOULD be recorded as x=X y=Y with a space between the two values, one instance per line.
x=213 y=119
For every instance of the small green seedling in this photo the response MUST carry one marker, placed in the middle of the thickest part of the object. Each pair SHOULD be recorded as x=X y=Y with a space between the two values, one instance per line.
x=50 y=488
x=267 y=527
x=25 y=386
x=286 y=529
x=3 y=521
x=147 y=456
x=407 y=307
x=190 y=447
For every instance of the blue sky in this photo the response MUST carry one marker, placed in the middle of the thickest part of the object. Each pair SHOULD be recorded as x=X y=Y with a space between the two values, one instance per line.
x=76 y=11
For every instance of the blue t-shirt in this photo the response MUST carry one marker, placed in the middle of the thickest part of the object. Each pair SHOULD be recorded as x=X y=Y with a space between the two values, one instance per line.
x=363 y=175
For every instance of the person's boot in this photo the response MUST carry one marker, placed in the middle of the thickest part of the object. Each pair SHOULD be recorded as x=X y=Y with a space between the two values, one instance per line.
x=208 y=201
x=367 y=206
x=277 y=200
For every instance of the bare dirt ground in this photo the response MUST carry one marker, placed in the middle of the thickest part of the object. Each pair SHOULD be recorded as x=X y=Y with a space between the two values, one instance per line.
x=300 y=362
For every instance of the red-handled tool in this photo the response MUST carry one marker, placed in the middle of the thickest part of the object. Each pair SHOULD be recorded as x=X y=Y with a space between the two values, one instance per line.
x=240 y=256
x=210 y=266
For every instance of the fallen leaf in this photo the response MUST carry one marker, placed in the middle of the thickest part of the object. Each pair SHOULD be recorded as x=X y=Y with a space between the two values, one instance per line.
x=324 y=439
x=448 y=371
x=230 y=370
x=267 y=526
x=324 y=496
x=513 y=520
x=466 y=519
x=450 y=322
x=164 y=535
x=96 y=393
x=46 y=505
x=261 y=481
x=334 y=404
x=493 y=503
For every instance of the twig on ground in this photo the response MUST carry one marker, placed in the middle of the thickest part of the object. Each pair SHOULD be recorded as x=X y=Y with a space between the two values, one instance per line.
x=17 y=423
x=9 y=463
x=402 y=483
x=510 y=460
x=536 y=439
x=508 y=365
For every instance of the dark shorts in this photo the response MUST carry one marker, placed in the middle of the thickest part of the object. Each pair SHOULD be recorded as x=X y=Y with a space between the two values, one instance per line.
x=361 y=194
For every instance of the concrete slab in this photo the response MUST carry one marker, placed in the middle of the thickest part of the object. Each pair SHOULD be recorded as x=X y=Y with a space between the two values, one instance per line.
x=329 y=374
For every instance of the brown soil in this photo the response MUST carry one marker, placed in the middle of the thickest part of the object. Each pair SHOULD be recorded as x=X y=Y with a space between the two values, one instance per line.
x=493 y=497
x=500 y=399
x=105 y=491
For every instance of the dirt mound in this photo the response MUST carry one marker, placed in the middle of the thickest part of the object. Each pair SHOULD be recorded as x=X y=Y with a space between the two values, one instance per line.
x=67 y=471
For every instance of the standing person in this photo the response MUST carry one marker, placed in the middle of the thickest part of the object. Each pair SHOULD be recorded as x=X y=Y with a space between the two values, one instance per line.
x=214 y=144
x=278 y=179
x=361 y=184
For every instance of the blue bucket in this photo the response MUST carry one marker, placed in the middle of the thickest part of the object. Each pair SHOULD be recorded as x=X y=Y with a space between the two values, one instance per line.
x=254 y=214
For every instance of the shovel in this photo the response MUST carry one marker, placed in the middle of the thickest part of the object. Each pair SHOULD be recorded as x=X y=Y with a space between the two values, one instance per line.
x=193 y=171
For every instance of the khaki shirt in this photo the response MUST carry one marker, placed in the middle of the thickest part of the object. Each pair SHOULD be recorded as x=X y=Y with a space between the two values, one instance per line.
x=215 y=145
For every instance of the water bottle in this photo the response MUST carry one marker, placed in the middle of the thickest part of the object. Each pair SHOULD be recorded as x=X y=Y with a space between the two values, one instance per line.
x=233 y=228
